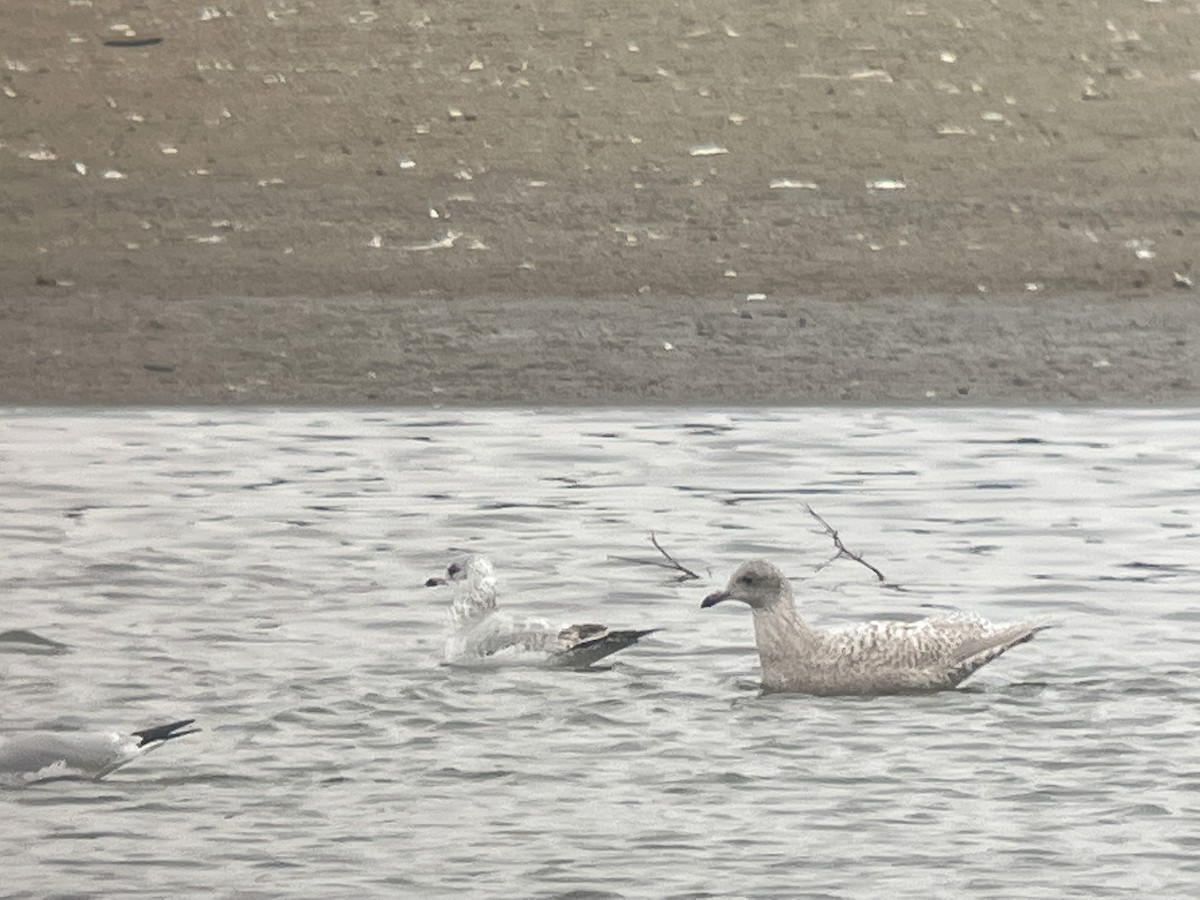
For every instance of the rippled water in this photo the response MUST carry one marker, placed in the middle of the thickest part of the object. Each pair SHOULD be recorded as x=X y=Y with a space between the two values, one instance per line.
x=261 y=571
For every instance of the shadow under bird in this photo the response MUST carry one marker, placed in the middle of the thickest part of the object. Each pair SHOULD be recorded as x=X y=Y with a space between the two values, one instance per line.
x=932 y=654
x=480 y=633
x=34 y=755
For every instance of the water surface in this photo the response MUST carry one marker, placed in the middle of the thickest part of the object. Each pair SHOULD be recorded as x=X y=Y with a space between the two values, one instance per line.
x=261 y=571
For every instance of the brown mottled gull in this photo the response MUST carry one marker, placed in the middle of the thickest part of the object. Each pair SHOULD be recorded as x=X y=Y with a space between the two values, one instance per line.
x=931 y=654
x=479 y=633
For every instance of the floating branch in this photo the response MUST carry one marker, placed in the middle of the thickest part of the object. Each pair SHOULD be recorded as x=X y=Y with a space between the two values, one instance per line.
x=685 y=572
x=841 y=548
x=671 y=563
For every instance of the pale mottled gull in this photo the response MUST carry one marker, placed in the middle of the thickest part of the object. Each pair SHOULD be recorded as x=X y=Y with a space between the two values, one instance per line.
x=32 y=755
x=481 y=634
x=931 y=654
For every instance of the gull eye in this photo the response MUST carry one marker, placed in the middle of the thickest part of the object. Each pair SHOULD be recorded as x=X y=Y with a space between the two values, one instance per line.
x=454 y=569
x=746 y=580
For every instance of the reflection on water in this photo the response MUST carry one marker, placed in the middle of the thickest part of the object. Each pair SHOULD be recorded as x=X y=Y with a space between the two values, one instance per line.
x=262 y=572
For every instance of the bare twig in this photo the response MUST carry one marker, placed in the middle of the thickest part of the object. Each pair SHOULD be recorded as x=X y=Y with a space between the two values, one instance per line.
x=841 y=548
x=676 y=564
x=671 y=562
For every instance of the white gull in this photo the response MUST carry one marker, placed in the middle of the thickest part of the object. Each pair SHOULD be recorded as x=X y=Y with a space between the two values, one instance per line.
x=481 y=634
x=931 y=654
x=34 y=755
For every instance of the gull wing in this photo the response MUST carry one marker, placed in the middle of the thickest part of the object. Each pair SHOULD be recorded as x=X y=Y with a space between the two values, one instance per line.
x=585 y=644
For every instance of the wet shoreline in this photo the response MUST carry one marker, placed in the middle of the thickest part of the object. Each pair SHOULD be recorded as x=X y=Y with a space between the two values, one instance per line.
x=608 y=351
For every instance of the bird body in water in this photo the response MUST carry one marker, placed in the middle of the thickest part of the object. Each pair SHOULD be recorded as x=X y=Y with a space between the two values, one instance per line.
x=882 y=657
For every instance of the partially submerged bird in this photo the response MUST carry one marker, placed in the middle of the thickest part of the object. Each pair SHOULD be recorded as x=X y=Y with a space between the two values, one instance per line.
x=479 y=633
x=932 y=654
x=33 y=755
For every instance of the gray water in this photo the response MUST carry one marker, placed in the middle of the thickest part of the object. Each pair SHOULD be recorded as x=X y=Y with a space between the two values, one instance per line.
x=261 y=571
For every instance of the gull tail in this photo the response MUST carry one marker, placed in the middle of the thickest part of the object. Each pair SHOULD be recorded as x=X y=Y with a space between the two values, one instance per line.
x=592 y=646
x=979 y=652
x=153 y=737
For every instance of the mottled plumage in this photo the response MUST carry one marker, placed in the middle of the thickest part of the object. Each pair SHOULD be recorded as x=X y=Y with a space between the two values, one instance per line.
x=932 y=654
x=481 y=633
x=32 y=755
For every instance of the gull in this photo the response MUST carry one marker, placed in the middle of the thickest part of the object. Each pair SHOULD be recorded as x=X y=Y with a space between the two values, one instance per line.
x=931 y=654
x=33 y=755
x=479 y=633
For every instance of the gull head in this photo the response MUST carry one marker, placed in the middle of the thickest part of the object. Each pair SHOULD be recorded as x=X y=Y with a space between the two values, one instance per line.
x=758 y=584
x=473 y=570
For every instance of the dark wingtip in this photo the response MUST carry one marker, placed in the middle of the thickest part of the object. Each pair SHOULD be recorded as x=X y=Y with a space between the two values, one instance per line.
x=639 y=634
x=161 y=733
x=622 y=636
